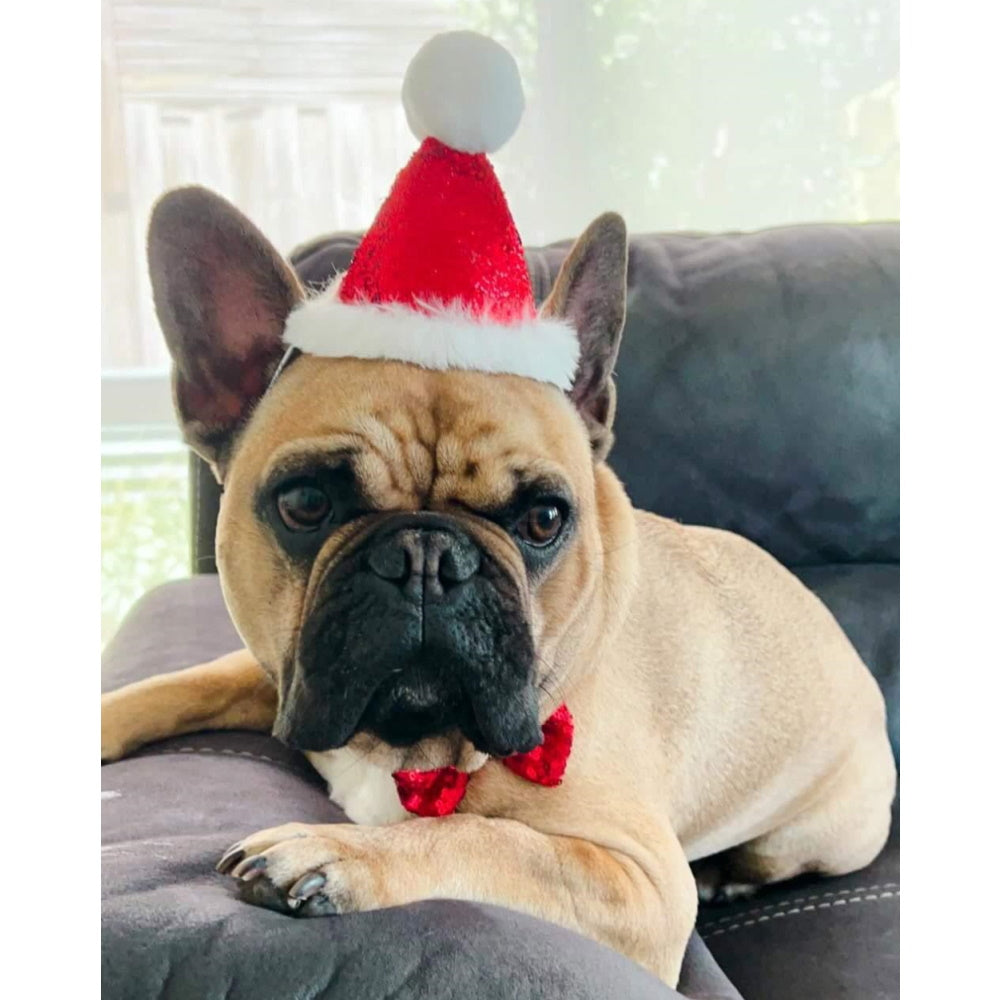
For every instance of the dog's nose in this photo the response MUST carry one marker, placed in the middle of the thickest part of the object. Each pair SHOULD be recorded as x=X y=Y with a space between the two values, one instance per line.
x=425 y=562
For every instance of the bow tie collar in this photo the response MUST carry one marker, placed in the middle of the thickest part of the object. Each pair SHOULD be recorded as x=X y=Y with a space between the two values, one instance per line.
x=438 y=792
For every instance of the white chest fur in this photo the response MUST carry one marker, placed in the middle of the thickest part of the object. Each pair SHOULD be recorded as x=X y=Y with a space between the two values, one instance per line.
x=365 y=792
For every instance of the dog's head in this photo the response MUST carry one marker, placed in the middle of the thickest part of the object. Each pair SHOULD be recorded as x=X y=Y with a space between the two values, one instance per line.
x=410 y=553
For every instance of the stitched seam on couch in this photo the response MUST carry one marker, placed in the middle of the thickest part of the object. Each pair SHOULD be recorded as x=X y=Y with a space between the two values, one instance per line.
x=224 y=751
x=886 y=890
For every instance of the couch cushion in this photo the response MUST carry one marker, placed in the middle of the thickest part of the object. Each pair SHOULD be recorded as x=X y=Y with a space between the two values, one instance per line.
x=173 y=928
x=817 y=938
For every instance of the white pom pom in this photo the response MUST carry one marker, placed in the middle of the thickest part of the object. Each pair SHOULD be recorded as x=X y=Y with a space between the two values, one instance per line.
x=463 y=89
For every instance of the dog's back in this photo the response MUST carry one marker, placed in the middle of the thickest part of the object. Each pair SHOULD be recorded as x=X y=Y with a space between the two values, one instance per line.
x=771 y=720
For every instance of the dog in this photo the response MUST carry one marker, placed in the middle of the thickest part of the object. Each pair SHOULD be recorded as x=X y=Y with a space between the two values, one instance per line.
x=426 y=565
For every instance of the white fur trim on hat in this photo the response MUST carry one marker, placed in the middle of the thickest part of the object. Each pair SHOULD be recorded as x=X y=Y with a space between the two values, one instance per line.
x=464 y=90
x=444 y=337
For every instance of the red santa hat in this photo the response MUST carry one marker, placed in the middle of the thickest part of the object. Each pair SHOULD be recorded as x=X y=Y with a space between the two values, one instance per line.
x=440 y=279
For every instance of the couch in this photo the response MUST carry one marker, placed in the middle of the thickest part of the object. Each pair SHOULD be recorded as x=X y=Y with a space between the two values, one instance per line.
x=758 y=391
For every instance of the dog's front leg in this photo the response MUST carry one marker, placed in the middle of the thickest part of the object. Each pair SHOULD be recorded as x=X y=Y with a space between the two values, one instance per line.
x=322 y=870
x=232 y=692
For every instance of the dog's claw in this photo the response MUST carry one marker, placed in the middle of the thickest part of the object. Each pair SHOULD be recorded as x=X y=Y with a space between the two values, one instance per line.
x=232 y=857
x=306 y=886
x=250 y=868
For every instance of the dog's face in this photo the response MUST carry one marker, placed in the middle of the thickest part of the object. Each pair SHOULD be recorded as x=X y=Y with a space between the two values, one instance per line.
x=403 y=547
x=409 y=552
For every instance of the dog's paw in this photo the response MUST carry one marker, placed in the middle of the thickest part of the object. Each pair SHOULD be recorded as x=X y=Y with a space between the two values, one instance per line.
x=716 y=883
x=727 y=893
x=307 y=871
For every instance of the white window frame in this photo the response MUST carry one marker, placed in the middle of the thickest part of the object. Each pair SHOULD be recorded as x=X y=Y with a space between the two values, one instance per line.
x=136 y=397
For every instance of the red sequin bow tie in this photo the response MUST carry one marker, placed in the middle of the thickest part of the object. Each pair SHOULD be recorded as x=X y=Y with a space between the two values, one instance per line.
x=438 y=792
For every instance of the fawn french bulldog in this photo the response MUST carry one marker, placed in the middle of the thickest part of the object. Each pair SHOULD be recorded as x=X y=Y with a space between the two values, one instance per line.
x=521 y=690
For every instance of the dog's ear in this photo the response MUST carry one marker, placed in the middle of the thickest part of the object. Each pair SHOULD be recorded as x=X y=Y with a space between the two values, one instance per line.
x=589 y=292
x=222 y=295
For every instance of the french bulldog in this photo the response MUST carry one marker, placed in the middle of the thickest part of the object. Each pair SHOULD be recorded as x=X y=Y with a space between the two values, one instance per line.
x=425 y=565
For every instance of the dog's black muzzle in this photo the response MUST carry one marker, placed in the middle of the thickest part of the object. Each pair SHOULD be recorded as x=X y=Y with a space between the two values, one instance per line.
x=416 y=631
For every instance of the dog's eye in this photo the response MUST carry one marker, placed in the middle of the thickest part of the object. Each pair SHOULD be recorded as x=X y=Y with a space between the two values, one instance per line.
x=541 y=525
x=303 y=506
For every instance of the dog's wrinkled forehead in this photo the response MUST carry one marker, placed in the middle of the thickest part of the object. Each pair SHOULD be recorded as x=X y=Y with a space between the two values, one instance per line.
x=416 y=439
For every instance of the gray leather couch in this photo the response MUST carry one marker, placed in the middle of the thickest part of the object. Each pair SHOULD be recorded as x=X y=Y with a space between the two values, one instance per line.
x=758 y=391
